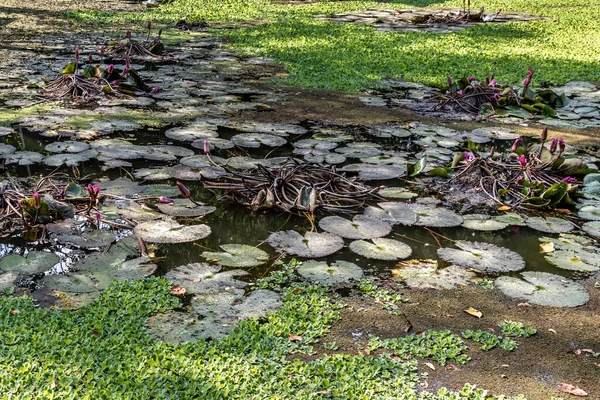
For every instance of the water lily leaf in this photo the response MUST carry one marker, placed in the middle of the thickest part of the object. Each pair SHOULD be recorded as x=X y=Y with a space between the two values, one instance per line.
x=435 y=216
x=190 y=134
x=575 y=261
x=87 y=240
x=257 y=304
x=590 y=213
x=237 y=255
x=137 y=268
x=23 y=158
x=592 y=228
x=120 y=187
x=361 y=227
x=482 y=257
x=370 y=172
x=397 y=193
x=484 y=224
x=511 y=219
x=152 y=174
x=544 y=289
x=440 y=172
x=418 y=167
x=392 y=212
x=176 y=327
x=202 y=278
x=311 y=245
x=36 y=262
x=426 y=274
x=74 y=283
x=381 y=249
x=185 y=208
x=550 y=224
x=254 y=140
x=68 y=146
x=170 y=231
x=330 y=274
x=8 y=279
x=7 y=148
x=69 y=159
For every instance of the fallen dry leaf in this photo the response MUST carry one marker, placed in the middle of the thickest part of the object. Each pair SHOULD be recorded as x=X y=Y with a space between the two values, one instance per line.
x=588 y=351
x=563 y=210
x=505 y=366
x=597 y=365
x=178 y=291
x=553 y=331
x=451 y=367
x=503 y=208
x=568 y=388
x=430 y=365
x=15 y=312
x=474 y=312
x=368 y=352
x=424 y=384
x=196 y=280
x=450 y=316
x=547 y=247
x=53 y=385
x=295 y=338
x=524 y=305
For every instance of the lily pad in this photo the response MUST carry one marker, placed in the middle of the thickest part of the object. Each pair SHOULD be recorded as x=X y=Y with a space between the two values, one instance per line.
x=87 y=240
x=170 y=231
x=257 y=304
x=7 y=148
x=426 y=274
x=68 y=146
x=592 y=228
x=381 y=249
x=152 y=174
x=544 y=289
x=575 y=261
x=74 y=283
x=511 y=219
x=550 y=224
x=370 y=172
x=396 y=193
x=361 y=227
x=392 y=212
x=254 y=140
x=330 y=274
x=23 y=158
x=590 y=213
x=482 y=257
x=311 y=245
x=237 y=255
x=483 y=224
x=190 y=134
x=436 y=217
x=202 y=278
x=36 y=262
x=176 y=327
x=185 y=208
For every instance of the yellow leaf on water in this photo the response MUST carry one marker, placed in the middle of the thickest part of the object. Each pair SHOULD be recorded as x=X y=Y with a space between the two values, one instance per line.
x=503 y=208
x=547 y=247
x=474 y=312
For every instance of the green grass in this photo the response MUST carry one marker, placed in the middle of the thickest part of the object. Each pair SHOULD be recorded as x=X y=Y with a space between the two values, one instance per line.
x=352 y=57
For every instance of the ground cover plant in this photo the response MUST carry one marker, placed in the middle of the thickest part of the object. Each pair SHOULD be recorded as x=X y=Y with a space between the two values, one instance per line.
x=559 y=48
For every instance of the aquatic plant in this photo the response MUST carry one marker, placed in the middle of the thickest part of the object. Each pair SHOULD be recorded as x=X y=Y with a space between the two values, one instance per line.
x=131 y=47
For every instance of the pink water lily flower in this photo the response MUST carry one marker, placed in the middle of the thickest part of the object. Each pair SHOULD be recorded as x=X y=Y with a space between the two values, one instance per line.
x=523 y=161
x=492 y=83
x=459 y=92
x=497 y=96
x=569 y=179
x=37 y=203
x=471 y=78
x=469 y=157
x=165 y=200
x=526 y=81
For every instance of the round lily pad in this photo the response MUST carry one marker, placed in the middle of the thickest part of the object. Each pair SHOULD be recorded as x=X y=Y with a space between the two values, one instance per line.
x=311 y=245
x=68 y=146
x=544 y=289
x=170 y=231
x=75 y=283
x=361 y=227
x=591 y=213
x=381 y=249
x=69 y=159
x=36 y=262
x=257 y=304
x=511 y=219
x=185 y=208
x=550 y=224
x=254 y=140
x=575 y=261
x=396 y=193
x=23 y=158
x=337 y=272
x=426 y=274
x=152 y=174
x=392 y=212
x=592 y=228
x=483 y=257
x=370 y=172
x=219 y=143
x=237 y=255
x=87 y=240
x=190 y=134
x=7 y=148
x=8 y=279
x=176 y=327
x=202 y=278
x=484 y=224
x=437 y=217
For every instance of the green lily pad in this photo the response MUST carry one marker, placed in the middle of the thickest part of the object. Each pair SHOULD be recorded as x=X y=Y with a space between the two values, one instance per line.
x=185 y=208
x=170 y=231
x=550 y=224
x=255 y=140
x=370 y=172
x=575 y=261
x=483 y=224
x=74 y=283
x=436 y=217
x=202 y=278
x=590 y=213
x=592 y=228
x=237 y=255
x=392 y=212
x=36 y=262
x=482 y=257
x=361 y=227
x=330 y=274
x=544 y=289
x=381 y=249
x=426 y=274
x=87 y=240
x=68 y=146
x=311 y=245
x=396 y=193
x=511 y=219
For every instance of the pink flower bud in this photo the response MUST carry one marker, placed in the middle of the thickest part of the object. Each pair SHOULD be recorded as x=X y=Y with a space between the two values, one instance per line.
x=526 y=81
x=471 y=78
x=110 y=69
x=569 y=179
x=37 y=203
x=149 y=25
x=530 y=72
x=459 y=92
x=544 y=134
x=156 y=89
x=523 y=161
x=469 y=157
x=553 y=145
x=98 y=217
x=499 y=11
x=125 y=71
x=449 y=80
x=497 y=96
x=206 y=147
x=492 y=83
x=561 y=145
x=165 y=200
x=128 y=61
x=96 y=190
x=91 y=57
x=515 y=145
x=102 y=50
x=128 y=34
x=185 y=192
x=519 y=180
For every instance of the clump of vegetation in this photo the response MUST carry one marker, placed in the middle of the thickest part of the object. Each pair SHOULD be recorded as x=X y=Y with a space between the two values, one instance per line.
x=487 y=96
x=490 y=341
x=512 y=328
x=131 y=47
x=441 y=346
x=530 y=175
x=277 y=280
x=389 y=301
